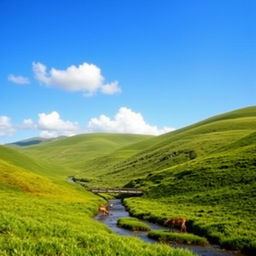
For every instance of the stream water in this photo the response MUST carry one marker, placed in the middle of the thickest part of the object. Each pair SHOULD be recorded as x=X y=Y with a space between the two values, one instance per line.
x=118 y=211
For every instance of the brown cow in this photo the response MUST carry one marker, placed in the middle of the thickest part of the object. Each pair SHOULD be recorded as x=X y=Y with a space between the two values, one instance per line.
x=104 y=209
x=179 y=223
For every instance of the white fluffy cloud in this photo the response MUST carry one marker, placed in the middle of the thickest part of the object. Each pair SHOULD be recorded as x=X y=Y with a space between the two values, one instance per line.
x=125 y=121
x=48 y=125
x=111 y=88
x=86 y=78
x=27 y=124
x=51 y=125
x=6 y=127
x=18 y=79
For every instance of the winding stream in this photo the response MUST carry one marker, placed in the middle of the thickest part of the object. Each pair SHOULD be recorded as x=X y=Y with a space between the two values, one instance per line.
x=118 y=211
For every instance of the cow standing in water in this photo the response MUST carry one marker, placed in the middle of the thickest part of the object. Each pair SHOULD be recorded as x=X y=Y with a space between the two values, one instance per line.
x=104 y=209
x=179 y=223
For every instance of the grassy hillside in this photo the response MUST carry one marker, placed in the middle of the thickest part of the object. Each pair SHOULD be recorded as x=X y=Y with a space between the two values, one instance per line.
x=41 y=167
x=171 y=149
x=217 y=194
x=95 y=169
x=74 y=151
x=205 y=172
x=41 y=217
x=216 y=190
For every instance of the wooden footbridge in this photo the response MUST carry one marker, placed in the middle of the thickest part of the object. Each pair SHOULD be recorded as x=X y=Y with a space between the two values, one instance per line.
x=130 y=191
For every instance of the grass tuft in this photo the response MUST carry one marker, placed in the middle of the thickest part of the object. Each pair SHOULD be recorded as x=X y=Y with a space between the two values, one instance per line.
x=184 y=238
x=132 y=224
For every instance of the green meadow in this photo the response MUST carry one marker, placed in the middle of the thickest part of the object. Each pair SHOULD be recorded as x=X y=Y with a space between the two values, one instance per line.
x=205 y=173
x=40 y=216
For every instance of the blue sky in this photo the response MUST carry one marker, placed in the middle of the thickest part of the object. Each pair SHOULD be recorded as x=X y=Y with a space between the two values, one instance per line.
x=166 y=64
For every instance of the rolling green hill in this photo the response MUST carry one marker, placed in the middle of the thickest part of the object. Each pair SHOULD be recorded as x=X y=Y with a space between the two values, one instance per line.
x=41 y=167
x=39 y=216
x=171 y=149
x=95 y=168
x=205 y=172
x=74 y=151
x=215 y=189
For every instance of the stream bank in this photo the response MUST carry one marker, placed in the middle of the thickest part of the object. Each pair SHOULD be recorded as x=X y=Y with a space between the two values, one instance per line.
x=117 y=211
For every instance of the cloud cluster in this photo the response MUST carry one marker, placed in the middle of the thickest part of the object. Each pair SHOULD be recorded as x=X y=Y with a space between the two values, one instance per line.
x=27 y=125
x=51 y=125
x=86 y=78
x=6 y=127
x=48 y=125
x=18 y=79
x=125 y=121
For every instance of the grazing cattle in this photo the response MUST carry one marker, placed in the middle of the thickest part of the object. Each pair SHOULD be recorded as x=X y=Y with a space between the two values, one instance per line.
x=104 y=209
x=179 y=223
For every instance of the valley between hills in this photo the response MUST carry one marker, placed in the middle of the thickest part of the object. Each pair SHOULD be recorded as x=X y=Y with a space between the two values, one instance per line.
x=205 y=172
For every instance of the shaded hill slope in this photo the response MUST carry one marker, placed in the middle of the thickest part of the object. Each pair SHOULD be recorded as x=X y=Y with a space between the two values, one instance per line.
x=32 y=141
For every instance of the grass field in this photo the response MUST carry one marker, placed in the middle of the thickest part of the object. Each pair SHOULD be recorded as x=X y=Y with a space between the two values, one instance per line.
x=40 y=216
x=205 y=172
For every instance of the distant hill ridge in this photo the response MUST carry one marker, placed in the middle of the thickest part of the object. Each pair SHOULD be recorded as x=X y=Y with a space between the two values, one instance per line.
x=33 y=141
x=74 y=151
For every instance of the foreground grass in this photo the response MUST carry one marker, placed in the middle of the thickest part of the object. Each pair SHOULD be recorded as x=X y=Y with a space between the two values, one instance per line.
x=184 y=238
x=33 y=225
x=132 y=224
x=41 y=217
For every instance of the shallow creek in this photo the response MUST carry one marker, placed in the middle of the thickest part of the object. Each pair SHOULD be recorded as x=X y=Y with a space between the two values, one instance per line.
x=118 y=211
